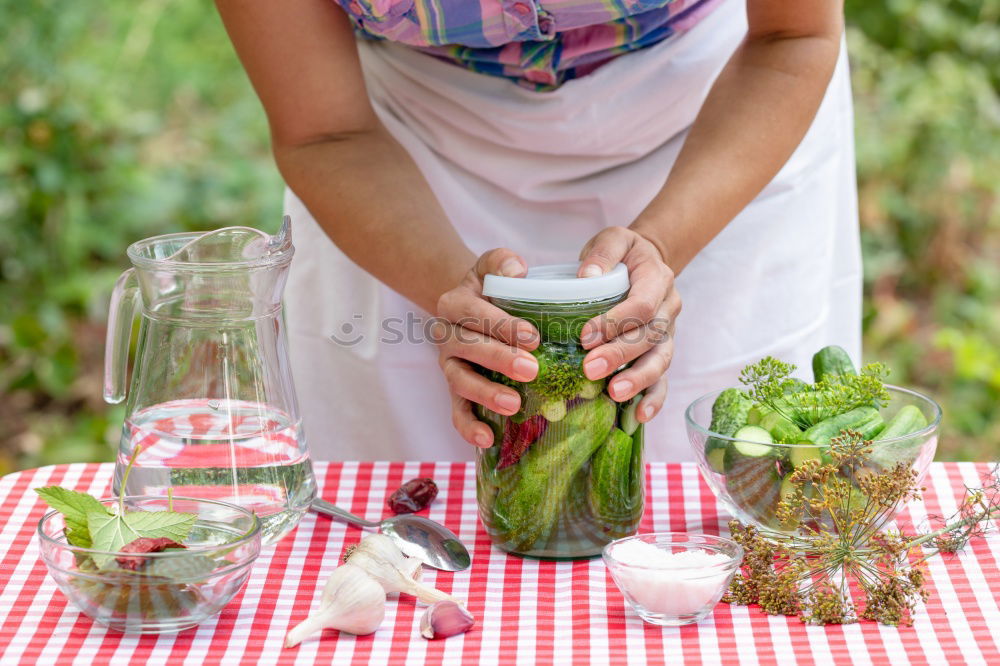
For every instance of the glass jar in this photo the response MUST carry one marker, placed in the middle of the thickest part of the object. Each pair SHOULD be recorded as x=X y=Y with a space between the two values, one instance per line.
x=564 y=476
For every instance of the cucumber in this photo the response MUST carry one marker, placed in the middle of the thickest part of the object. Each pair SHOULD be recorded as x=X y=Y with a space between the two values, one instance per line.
x=752 y=433
x=865 y=420
x=626 y=418
x=553 y=411
x=529 y=501
x=590 y=389
x=729 y=413
x=754 y=442
x=787 y=491
x=759 y=411
x=716 y=457
x=752 y=477
x=832 y=362
x=908 y=419
x=870 y=428
x=794 y=385
x=780 y=427
x=609 y=492
x=805 y=451
x=637 y=474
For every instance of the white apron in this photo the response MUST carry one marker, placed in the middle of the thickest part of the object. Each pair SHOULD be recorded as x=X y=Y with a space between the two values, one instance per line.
x=542 y=172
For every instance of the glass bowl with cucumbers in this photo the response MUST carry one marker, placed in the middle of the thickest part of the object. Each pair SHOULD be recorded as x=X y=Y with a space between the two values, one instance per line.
x=749 y=440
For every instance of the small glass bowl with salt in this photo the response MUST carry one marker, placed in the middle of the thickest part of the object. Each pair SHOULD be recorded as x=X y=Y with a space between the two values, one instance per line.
x=673 y=578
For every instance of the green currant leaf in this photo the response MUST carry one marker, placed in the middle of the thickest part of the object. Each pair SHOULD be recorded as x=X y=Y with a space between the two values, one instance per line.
x=73 y=505
x=112 y=531
x=188 y=567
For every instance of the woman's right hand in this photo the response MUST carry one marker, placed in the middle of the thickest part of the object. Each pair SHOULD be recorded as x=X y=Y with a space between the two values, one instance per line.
x=471 y=330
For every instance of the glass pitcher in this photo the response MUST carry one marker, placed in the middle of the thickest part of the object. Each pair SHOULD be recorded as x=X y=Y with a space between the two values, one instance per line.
x=211 y=406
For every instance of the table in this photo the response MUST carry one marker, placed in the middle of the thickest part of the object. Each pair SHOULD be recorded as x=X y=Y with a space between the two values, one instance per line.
x=527 y=611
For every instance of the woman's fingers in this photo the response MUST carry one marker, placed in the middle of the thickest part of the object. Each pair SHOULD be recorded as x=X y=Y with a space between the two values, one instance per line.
x=628 y=346
x=644 y=372
x=652 y=402
x=500 y=261
x=483 y=350
x=465 y=306
x=651 y=283
x=469 y=329
x=467 y=309
x=471 y=429
x=469 y=384
x=603 y=251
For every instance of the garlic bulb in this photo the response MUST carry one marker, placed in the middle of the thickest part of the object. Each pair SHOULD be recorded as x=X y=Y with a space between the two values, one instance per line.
x=386 y=563
x=352 y=601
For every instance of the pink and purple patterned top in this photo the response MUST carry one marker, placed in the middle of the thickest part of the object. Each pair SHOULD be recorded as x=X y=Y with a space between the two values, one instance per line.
x=538 y=43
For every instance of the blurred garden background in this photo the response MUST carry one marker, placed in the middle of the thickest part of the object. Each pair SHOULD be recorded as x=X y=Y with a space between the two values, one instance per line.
x=131 y=119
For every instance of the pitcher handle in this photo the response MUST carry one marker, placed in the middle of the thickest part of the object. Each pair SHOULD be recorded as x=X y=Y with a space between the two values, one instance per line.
x=116 y=345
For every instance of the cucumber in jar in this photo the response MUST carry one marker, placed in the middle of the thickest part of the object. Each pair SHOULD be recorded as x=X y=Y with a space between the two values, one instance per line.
x=526 y=509
x=611 y=494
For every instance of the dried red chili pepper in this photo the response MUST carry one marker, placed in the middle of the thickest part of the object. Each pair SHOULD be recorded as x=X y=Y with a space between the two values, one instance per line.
x=413 y=495
x=144 y=545
x=518 y=437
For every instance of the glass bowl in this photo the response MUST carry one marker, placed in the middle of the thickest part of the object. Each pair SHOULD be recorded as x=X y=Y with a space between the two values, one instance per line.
x=751 y=489
x=674 y=593
x=174 y=589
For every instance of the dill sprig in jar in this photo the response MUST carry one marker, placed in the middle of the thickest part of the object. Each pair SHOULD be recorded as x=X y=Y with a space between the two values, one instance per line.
x=564 y=476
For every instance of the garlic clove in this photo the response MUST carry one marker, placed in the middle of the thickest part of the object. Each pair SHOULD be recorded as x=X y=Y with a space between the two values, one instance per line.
x=352 y=601
x=386 y=563
x=444 y=619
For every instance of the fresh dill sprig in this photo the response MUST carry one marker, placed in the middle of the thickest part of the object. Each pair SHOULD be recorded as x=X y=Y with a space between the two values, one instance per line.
x=769 y=382
x=766 y=379
x=842 y=509
x=836 y=394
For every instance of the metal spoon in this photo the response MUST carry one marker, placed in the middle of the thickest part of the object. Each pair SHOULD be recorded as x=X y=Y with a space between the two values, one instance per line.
x=430 y=542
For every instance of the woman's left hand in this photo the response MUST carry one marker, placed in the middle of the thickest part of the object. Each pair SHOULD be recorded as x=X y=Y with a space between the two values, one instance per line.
x=640 y=328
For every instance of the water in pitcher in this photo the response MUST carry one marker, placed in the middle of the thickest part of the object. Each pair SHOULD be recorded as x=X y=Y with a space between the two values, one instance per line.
x=232 y=450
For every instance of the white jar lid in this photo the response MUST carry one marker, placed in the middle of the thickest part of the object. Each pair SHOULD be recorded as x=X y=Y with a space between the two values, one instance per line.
x=557 y=283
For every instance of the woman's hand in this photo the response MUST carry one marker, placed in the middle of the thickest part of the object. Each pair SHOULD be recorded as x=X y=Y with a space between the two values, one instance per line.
x=640 y=328
x=470 y=329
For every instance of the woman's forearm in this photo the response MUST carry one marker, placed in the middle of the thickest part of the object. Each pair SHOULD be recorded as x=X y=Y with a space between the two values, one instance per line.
x=754 y=117
x=357 y=181
x=369 y=196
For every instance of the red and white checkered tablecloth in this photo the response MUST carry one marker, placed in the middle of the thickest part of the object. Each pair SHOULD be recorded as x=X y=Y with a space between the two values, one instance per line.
x=528 y=612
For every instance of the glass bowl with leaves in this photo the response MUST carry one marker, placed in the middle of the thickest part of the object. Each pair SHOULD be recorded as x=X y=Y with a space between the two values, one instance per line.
x=749 y=442
x=145 y=564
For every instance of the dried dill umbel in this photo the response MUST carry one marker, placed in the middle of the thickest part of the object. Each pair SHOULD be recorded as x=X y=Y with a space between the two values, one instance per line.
x=842 y=564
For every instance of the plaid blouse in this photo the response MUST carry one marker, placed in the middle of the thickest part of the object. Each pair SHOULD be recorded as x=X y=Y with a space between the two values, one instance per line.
x=538 y=43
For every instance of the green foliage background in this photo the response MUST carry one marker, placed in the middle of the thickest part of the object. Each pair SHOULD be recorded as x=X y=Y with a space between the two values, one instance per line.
x=137 y=120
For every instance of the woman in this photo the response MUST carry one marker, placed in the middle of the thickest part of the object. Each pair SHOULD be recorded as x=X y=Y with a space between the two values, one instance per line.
x=705 y=144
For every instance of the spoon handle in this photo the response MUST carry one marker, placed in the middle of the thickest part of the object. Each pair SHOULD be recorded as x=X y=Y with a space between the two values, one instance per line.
x=324 y=507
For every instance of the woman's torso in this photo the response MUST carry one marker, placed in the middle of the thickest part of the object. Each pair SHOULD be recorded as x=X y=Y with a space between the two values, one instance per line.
x=540 y=172
x=538 y=43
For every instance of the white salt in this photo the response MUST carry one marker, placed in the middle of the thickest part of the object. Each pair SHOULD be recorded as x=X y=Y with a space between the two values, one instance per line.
x=672 y=584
